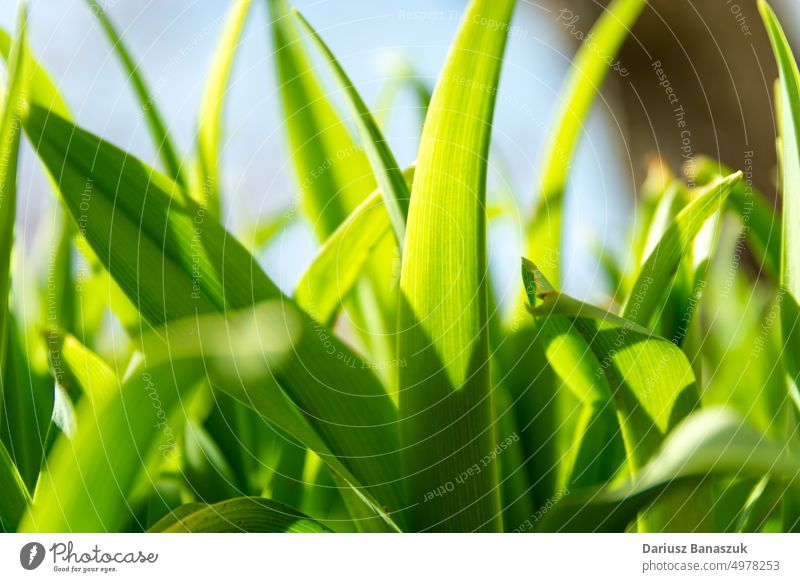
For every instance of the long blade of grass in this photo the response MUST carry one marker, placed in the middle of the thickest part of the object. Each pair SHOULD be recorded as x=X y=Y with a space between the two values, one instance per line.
x=86 y=369
x=41 y=88
x=13 y=101
x=243 y=514
x=589 y=68
x=158 y=129
x=760 y=220
x=335 y=270
x=445 y=400
x=43 y=91
x=26 y=404
x=334 y=176
x=712 y=441
x=391 y=182
x=333 y=172
x=132 y=219
x=209 y=132
x=659 y=269
x=790 y=171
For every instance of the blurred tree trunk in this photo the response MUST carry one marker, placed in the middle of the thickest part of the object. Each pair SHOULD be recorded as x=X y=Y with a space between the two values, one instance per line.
x=715 y=56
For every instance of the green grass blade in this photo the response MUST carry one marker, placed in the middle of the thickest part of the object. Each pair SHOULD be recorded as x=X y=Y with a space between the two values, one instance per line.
x=243 y=514
x=132 y=219
x=41 y=88
x=262 y=232
x=87 y=370
x=14 y=97
x=589 y=69
x=209 y=133
x=158 y=129
x=713 y=441
x=658 y=270
x=391 y=182
x=760 y=220
x=14 y=496
x=43 y=91
x=334 y=176
x=335 y=270
x=789 y=156
x=445 y=403
x=26 y=405
x=333 y=172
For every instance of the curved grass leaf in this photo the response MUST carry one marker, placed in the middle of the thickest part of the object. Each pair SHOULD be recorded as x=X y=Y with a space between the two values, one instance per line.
x=662 y=263
x=391 y=182
x=14 y=97
x=333 y=172
x=712 y=441
x=789 y=156
x=334 y=176
x=26 y=402
x=209 y=133
x=335 y=270
x=131 y=219
x=263 y=231
x=41 y=88
x=86 y=369
x=445 y=402
x=158 y=129
x=243 y=514
x=760 y=220
x=589 y=69
x=62 y=304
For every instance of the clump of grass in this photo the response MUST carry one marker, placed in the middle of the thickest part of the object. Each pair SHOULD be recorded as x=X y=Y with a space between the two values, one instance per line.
x=231 y=406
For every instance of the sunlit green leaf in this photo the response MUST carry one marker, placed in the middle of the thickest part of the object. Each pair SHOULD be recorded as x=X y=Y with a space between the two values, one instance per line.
x=391 y=182
x=209 y=132
x=155 y=120
x=589 y=68
x=134 y=217
x=659 y=269
x=445 y=403
x=789 y=155
x=339 y=263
